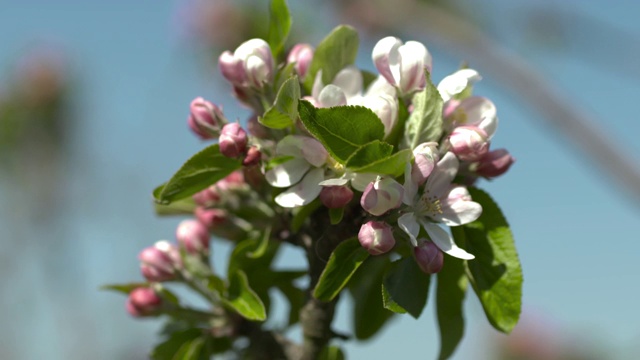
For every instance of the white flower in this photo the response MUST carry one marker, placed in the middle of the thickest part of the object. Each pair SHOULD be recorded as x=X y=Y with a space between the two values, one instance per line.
x=455 y=83
x=403 y=65
x=303 y=171
x=440 y=203
x=476 y=111
x=251 y=64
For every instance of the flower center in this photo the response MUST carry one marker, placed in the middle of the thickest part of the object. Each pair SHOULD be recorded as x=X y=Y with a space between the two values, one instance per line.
x=430 y=205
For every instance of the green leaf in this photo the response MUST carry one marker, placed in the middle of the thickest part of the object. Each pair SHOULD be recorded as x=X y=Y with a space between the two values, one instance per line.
x=124 y=288
x=279 y=26
x=184 y=206
x=344 y=261
x=336 y=215
x=397 y=133
x=390 y=165
x=451 y=289
x=331 y=353
x=341 y=129
x=284 y=111
x=369 y=314
x=262 y=245
x=201 y=170
x=495 y=273
x=336 y=51
x=170 y=347
x=368 y=153
x=405 y=286
x=243 y=299
x=191 y=350
x=425 y=122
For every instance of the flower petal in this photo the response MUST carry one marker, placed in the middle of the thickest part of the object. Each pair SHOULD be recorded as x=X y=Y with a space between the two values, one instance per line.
x=410 y=186
x=332 y=96
x=480 y=112
x=381 y=86
x=459 y=213
x=304 y=192
x=317 y=85
x=413 y=57
x=444 y=241
x=384 y=54
x=303 y=147
x=334 y=182
x=359 y=181
x=349 y=80
x=287 y=173
x=439 y=181
x=409 y=224
x=455 y=83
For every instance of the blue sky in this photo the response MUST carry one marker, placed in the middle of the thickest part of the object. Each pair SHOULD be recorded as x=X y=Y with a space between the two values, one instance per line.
x=134 y=74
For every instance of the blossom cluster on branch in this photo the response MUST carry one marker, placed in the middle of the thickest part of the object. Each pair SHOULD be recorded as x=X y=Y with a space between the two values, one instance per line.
x=368 y=173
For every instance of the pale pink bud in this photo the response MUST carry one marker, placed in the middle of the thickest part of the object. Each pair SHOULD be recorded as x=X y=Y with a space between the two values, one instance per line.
x=469 y=143
x=205 y=119
x=335 y=197
x=403 y=65
x=232 y=68
x=425 y=157
x=143 y=301
x=211 y=218
x=160 y=261
x=376 y=237
x=253 y=157
x=207 y=197
x=193 y=236
x=233 y=140
x=301 y=55
x=429 y=257
x=257 y=60
x=495 y=163
x=381 y=196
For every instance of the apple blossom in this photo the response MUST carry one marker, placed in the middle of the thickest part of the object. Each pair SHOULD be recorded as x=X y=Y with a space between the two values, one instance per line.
x=160 y=261
x=250 y=65
x=495 y=163
x=428 y=256
x=402 y=65
x=143 y=301
x=381 y=196
x=205 y=119
x=193 y=236
x=469 y=143
x=376 y=237
x=301 y=56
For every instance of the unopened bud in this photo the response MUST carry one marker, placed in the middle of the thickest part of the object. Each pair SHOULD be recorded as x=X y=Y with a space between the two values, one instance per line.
x=376 y=237
x=335 y=197
x=211 y=218
x=206 y=119
x=429 y=257
x=381 y=196
x=426 y=157
x=207 y=197
x=495 y=163
x=160 y=261
x=301 y=55
x=469 y=143
x=232 y=68
x=233 y=140
x=193 y=236
x=253 y=157
x=143 y=301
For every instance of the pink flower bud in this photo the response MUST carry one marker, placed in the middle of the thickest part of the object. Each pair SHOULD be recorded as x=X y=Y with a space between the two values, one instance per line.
x=232 y=181
x=233 y=140
x=253 y=157
x=376 y=237
x=429 y=257
x=205 y=119
x=301 y=55
x=232 y=68
x=207 y=197
x=426 y=157
x=143 y=301
x=381 y=196
x=469 y=143
x=495 y=163
x=160 y=261
x=211 y=218
x=403 y=65
x=193 y=236
x=335 y=197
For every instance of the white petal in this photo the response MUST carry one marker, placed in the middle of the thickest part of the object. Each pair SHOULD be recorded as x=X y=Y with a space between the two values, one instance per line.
x=459 y=213
x=480 y=112
x=287 y=173
x=290 y=145
x=409 y=224
x=412 y=62
x=349 y=80
x=257 y=70
x=332 y=96
x=359 y=181
x=385 y=107
x=444 y=241
x=317 y=85
x=455 y=83
x=300 y=146
x=304 y=192
x=440 y=179
x=334 y=182
x=384 y=55
x=381 y=86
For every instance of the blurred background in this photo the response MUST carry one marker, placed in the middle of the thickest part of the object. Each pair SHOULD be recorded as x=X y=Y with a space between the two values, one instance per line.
x=94 y=98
